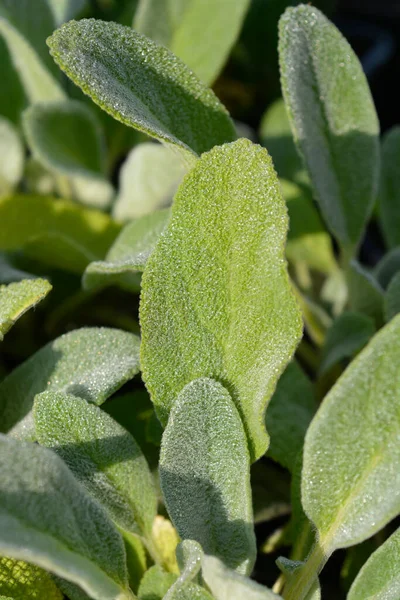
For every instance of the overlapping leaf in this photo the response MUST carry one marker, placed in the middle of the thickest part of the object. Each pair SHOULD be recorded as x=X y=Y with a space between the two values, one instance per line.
x=91 y=363
x=333 y=119
x=22 y=581
x=205 y=474
x=142 y=85
x=389 y=195
x=17 y=298
x=12 y=154
x=221 y=305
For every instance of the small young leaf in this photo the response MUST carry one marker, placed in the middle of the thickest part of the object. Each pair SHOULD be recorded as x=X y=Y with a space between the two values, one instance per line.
x=205 y=474
x=379 y=579
x=25 y=34
x=66 y=138
x=221 y=306
x=350 y=480
x=229 y=585
x=148 y=180
x=12 y=154
x=349 y=333
x=189 y=554
x=166 y=540
x=142 y=85
x=289 y=414
x=155 y=584
x=50 y=230
x=389 y=194
x=392 y=298
x=387 y=267
x=47 y=519
x=102 y=455
x=17 y=298
x=181 y=25
x=128 y=255
x=90 y=363
x=333 y=119
x=21 y=581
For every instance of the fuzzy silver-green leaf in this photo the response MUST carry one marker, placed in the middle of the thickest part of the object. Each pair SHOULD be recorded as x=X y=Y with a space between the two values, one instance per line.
x=17 y=298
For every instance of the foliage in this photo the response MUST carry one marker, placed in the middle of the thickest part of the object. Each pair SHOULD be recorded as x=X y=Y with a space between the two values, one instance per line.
x=168 y=430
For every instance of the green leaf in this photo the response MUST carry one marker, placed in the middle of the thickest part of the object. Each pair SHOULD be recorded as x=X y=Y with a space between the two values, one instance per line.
x=379 y=579
x=276 y=135
x=155 y=584
x=47 y=519
x=225 y=583
x=23 y=581
x=12 y=154
x=57 y=232
x=289 y=568
x=72 y=591
x=333 y=119
x=148 y=180
x=181 y=25
x=17 y=298
x=387 y=267
x=102 y=455
x=90 y=363
x=349 y=333
x=134 y=79
x=136 y=559
x=392 y=298
x=289 y=414
x=205 y=474
x=365 y=293
x=12 y=97
x=308 y=242
x=189 y=554
x=128 y=255
x=389 y=194
x=64 y=10
x=24 y=26
x=66 y=138
x=350 y=481
x=221 y=306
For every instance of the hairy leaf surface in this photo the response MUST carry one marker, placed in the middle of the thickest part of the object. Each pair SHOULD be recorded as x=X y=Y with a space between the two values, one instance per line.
x=379 y=578
x=129 y=253
x=205 y=474
x=23 y=581
x=91 y=363
x=17 y=298
x=189 y=555
x=220 y=305
x=186 y=29
x=102 y=455
x=142 y=85
x=155 y=584
x=333 y=119
x=66 y=138
x=351 y=480
x=47 y=519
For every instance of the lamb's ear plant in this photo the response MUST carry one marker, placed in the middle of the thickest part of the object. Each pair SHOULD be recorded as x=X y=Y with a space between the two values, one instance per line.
x=167 y=432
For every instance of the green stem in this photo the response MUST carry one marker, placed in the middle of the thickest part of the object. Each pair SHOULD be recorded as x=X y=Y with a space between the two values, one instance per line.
x=302 y=580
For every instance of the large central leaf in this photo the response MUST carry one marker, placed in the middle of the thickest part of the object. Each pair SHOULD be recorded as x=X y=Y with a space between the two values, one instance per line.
x=216 y=299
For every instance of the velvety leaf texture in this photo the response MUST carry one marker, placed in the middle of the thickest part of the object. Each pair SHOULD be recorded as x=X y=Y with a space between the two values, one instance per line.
x=351 y=480
x=58 y=232
x=91 y=363
x=221 y=306
x=181 y=26
x=141 y=84
x=379 y=578
x=66 y=138
x=46 y=518
x=389 y=192
x=229 y=585
x=17 y=298
x=205 y=474
x=155 y=584
x=129 y=253
x=103 y=456
x=333 y=118
x=189 y=554
x=288 y=415
x=148 y=180
x=22 y=581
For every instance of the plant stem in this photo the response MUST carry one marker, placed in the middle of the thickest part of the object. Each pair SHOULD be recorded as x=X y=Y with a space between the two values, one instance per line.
x=300 y=584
